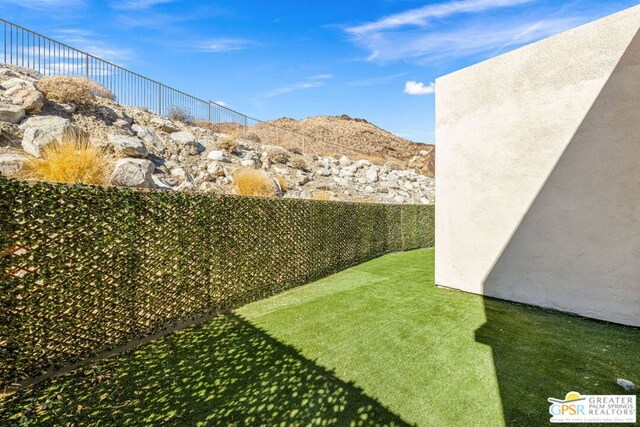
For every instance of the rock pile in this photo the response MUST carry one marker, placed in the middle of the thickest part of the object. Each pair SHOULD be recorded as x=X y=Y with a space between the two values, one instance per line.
x=155 y=152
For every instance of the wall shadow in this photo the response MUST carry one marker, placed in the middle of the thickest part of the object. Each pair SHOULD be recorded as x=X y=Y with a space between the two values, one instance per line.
x=223 y=372
x=577 y=249
x=540 y=353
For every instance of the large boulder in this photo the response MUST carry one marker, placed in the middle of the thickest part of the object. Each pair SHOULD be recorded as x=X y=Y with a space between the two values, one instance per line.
x=180 y=172
x=345 y=161
x=187 y=143
x=324 y=172
x=347 y=172
x=393 y=176
x=23 y=93
x=217 y=156
x=117 y=115
x=11 y=113
x=210 y=187
x=184 y=138
x=216 y=169
x=128 y=146
x=133 y=173
x=8 y=71
x=10 y=134
x=149 y=137
x=372 y=174
x=165 y=125
x=10 y=163
x=185 y=186
x=40 y=131
x=362 y=163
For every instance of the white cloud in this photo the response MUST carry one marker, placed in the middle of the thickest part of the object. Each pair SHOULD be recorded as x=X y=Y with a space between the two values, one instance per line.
x=312 y=82
x=418 y=88
x=225 y=45
x=465 y=40
x=138 y=4
x=221 y=103
x=421 y=16
x=322 y=77
x=460 y=28
x=112 y=54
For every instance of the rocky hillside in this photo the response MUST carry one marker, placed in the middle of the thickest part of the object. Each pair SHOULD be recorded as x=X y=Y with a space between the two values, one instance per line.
x=343 y=135
x=150 y=151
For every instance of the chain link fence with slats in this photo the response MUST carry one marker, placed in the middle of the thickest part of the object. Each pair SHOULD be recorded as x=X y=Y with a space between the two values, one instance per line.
x=84 y=269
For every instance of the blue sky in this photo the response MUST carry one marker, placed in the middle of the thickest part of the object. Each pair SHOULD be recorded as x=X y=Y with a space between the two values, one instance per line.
x=374 y=59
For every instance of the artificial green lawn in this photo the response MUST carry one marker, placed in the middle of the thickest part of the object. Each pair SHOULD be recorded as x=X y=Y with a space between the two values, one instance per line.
x=377 y=344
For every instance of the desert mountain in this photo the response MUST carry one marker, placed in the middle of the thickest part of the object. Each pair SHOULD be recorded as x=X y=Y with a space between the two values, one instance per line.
x=344 y=135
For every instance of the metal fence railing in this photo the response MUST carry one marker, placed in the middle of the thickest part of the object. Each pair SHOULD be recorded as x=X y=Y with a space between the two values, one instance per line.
x=26 y=48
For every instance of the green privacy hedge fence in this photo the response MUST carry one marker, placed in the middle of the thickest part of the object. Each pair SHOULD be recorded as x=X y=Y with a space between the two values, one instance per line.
x=84 y=269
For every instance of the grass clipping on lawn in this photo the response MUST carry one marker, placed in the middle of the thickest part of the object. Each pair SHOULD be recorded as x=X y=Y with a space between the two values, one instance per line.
x=69 y=161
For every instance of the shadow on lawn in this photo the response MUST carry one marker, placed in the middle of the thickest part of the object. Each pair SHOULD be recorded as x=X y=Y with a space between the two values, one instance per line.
x=223 y=372
x=540 y=353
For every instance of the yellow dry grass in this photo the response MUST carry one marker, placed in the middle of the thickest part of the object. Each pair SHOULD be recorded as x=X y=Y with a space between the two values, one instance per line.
x=69 y=161
x=251 y=182
x=75 y=90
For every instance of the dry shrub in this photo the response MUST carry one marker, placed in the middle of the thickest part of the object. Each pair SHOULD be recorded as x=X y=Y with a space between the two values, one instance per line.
x=180 y=114
x=278 y=154
x=252 y=182
x=299 y=162
x=70 y=160
x=321 y=195
x=228 y=144
x=282 y=182
x=74 y=90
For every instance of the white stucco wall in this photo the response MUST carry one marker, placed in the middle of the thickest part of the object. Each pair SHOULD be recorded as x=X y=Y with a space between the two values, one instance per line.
x=538 y=173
